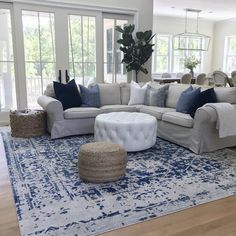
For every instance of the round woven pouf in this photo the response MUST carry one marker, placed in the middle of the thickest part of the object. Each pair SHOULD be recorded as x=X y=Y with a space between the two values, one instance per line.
x=101 y=162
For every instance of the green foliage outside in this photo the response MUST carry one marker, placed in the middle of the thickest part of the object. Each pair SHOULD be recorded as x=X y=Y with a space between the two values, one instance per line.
x=41 y=44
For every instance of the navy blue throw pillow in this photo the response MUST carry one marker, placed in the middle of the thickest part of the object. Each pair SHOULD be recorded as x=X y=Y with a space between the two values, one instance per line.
x=207 y=96
x=67 y=94
x=90 y=97
x=186 y=99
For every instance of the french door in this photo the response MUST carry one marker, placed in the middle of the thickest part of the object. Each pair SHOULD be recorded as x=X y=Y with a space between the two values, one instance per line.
x=7 y=69
x=52 y=43
x=58 y=44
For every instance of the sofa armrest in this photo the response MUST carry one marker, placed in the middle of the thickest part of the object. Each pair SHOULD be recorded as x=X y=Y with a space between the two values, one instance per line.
x=205 y=115
x=53 y=107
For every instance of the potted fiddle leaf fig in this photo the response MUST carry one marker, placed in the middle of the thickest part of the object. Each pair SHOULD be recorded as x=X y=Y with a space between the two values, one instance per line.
x=137 y=50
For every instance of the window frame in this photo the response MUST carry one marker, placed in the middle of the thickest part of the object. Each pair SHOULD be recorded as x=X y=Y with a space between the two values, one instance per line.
x=187 y=54
x=226 y=51
x=171 y=56
x=40 y=61
x=169 y=36
x=4 y=115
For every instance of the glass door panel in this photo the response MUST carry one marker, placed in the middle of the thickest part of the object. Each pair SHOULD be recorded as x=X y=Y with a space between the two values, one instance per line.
x=109 y=61
x=114 y=70
x=39 y=49
x=82 y=48
x=7 y=75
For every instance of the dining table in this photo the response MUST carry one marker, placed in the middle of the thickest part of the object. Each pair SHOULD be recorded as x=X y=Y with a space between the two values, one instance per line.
x=170 y=80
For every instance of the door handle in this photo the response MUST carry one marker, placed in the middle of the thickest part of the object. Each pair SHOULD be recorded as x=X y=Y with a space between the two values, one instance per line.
x=59 y=76
x=67 y=77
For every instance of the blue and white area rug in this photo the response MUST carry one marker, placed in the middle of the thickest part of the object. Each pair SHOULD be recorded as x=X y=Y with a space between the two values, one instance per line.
x=51 y=199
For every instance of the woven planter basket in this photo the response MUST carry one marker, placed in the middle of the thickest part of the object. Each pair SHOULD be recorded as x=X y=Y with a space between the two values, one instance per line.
x=27 y=123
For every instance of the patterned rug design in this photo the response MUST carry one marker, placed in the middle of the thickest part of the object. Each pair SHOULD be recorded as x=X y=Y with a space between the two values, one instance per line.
x=51 y=199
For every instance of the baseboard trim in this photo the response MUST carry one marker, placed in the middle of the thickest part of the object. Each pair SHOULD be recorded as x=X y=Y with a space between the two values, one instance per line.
x=4 y=123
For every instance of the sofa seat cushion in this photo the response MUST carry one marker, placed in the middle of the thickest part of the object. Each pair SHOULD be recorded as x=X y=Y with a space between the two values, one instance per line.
x=156 y=111
x=82 y=112
x=137 y=107
x=178 y=118
x=118 y=108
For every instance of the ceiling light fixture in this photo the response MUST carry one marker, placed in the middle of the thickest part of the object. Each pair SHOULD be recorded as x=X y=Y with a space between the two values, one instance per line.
x=189 y=40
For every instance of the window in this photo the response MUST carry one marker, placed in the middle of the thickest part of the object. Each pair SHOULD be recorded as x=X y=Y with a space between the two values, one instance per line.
x=50 y=39
x=114 y=70
x=39 y=47
x=82 y=48
x=7 y=75
x=167 y=59
x=230 y=54
x=161 y=62
x=179 y=56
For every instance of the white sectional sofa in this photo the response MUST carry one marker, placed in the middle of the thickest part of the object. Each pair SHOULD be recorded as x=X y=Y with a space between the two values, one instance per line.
x=198 y=134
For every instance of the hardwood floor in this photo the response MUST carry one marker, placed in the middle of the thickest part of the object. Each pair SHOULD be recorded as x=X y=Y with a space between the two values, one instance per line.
x=8 y=220
x=217 y=218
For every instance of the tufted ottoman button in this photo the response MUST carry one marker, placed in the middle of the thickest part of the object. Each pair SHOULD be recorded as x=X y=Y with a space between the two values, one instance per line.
x=133 y=131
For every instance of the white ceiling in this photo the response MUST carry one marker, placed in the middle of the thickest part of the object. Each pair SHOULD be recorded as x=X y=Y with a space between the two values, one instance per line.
x=211 y=9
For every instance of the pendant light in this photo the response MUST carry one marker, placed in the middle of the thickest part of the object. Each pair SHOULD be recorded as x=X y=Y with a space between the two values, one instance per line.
x=189 y=40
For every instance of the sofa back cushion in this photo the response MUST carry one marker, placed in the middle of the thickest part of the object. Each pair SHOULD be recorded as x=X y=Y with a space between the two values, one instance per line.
x=109 y=94
x=125 y=93
x=227 y=94
x=174 y=93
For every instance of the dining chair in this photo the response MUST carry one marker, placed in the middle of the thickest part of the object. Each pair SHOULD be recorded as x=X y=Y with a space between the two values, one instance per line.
x=220 y=78
x=233 y=76
x=186 y=79
x=166 y=75
x=201 y=79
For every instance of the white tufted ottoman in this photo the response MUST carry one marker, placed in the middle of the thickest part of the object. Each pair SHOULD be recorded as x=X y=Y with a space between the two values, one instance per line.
x=131 y=130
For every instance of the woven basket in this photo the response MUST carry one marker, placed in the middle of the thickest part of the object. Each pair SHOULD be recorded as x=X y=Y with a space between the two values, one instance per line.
x=27 y=123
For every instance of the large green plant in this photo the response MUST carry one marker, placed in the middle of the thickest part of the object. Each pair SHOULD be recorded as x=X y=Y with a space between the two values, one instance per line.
x=136 y=50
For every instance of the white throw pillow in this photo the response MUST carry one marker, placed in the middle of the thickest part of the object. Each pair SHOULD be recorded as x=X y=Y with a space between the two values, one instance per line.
x=137 y=93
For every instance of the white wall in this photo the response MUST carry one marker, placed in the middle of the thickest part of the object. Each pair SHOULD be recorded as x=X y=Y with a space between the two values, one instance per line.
x=221 y=30
x=144 y=8
x=173 y=25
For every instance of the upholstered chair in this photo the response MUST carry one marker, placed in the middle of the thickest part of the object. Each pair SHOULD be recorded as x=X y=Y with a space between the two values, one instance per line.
x=186 y=79
x=201 y=79
x=233 y=76
x=220 y=78
x=165 y=75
